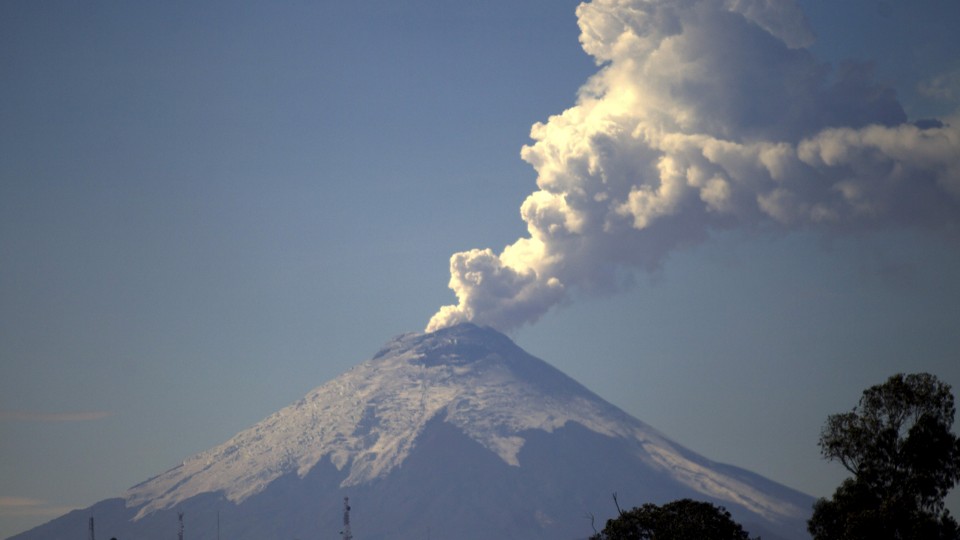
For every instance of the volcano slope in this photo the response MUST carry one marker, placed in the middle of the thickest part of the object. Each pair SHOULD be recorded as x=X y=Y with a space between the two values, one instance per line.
x=457 y=434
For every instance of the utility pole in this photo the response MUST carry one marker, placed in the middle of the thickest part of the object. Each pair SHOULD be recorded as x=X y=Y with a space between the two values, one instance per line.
x=180 y=528
x=91 y=529
x=347 y=535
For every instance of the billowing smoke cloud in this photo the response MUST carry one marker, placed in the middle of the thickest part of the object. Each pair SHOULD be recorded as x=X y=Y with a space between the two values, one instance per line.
x=704 y=115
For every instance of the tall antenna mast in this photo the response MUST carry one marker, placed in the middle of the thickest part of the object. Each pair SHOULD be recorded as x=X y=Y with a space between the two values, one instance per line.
x=180 y=528
x=347 y=535
x=91 y=529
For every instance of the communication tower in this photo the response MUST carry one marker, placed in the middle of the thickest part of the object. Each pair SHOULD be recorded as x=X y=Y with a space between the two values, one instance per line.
x=347 y=535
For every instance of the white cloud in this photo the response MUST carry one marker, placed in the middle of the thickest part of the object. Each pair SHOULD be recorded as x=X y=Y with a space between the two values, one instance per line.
x=37 y=416
x=704 y=115
x=944 y=87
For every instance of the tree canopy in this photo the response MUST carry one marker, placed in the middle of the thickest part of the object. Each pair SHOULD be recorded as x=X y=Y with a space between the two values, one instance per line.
x=897 y=443
x=684 y=519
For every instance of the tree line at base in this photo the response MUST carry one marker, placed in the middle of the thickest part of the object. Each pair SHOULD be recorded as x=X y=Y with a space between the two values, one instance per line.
x=898 y=445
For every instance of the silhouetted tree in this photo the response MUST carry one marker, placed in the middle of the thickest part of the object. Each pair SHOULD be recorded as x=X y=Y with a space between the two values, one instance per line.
x=684 y=519
x=904 y=459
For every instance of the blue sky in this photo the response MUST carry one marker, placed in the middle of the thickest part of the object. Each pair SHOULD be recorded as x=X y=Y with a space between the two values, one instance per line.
x=208 y=209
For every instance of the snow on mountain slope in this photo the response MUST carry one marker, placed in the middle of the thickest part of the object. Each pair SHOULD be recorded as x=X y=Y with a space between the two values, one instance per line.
x=368 y=420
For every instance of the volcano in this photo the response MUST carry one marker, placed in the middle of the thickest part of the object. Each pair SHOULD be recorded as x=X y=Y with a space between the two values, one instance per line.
x=455 y=434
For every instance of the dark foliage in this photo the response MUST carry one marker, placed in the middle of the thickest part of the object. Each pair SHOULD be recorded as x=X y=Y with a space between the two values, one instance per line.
x=904 y=459
x=684 y=519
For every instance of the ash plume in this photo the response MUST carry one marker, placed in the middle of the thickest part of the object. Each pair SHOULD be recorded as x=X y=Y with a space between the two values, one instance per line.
x=704 y=115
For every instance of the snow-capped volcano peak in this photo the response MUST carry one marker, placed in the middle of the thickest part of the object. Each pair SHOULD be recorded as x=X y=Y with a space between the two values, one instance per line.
x=368 y=420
